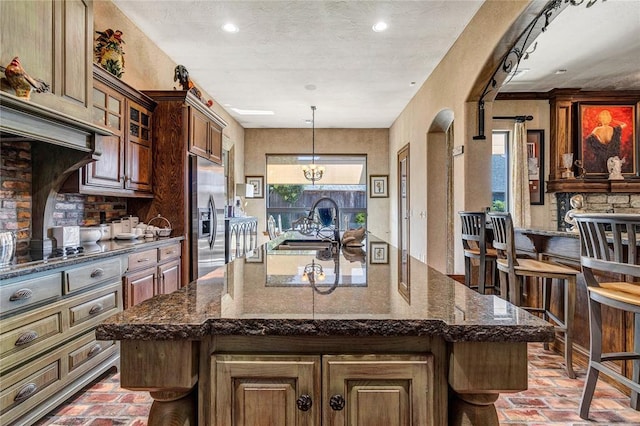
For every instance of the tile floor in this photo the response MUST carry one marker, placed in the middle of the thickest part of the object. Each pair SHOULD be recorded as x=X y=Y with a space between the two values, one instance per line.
x=552 y=399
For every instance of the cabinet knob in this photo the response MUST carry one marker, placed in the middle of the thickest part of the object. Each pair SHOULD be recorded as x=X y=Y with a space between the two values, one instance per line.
x=25 y=392
x=97 y=273
x=336 y=402
x=26 y=337
x=304 y=402
x=96 y=308
x=95 y=350
x=22 y=294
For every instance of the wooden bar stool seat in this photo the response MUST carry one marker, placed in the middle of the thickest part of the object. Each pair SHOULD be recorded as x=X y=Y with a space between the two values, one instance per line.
x=610 y=254
x=514 y=270
x=474 y=242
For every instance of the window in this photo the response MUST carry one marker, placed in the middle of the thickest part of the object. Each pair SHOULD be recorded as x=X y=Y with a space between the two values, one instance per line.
x=500 y=171
x=290 y=195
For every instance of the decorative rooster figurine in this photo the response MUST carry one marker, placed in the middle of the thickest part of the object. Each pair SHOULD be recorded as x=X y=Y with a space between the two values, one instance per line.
x=109 y=52
x=22 y=82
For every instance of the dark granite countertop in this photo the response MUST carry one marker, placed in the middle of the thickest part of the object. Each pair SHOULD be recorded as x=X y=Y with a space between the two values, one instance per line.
x=268 y=294
x=99 y=250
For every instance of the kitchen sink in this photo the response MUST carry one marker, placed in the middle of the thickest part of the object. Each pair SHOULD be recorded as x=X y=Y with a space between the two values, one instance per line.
x=304 y=245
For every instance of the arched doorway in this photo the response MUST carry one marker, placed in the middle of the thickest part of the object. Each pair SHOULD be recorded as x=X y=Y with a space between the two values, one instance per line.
x=439 y=212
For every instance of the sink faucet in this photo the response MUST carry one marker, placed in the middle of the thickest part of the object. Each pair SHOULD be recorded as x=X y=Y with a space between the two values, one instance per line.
x=336 y=220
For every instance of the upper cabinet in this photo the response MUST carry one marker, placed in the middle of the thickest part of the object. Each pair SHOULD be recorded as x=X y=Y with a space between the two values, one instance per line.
x=201 y=127
x=54 y=41
x=123 y=165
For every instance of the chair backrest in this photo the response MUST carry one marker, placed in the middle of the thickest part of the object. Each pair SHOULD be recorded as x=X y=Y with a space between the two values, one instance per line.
x=271 y=227
x=473 y=230
x=609 y=243
x=503 y=237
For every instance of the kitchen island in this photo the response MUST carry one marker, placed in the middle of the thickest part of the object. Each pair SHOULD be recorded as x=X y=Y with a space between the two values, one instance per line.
x=324 y=337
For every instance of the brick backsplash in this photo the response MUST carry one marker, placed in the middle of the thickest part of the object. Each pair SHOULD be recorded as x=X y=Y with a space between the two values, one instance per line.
x=16 y=203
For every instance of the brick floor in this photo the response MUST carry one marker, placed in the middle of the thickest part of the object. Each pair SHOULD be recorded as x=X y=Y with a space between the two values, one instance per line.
x=552 y=399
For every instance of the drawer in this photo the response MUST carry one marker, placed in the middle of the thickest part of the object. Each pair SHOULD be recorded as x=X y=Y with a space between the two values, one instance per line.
x=143 y=259
x=171 y=251
x=27 y=389
x=93 y=308
x=29 y=292
x=93 y=273
x=28 y=335
x=88 y=352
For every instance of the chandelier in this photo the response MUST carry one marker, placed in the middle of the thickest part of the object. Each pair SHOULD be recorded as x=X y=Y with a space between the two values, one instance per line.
x=313 y=172
x=313 y=272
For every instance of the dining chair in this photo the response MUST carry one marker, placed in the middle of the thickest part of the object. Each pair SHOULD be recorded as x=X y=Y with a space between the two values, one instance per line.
x=474 y=242
x=611 y=267
x=514 y=270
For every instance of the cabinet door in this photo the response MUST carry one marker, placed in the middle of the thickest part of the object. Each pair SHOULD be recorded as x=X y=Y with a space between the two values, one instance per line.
x=198 y=133
x=215 y=143
x=169 y=277
x=108 y=111
x=139 y=286
x=139 y=149
x=377 y=390
x=265 y=390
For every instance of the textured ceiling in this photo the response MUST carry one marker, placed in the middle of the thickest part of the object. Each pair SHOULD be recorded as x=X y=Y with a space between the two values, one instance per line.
x=289 y=55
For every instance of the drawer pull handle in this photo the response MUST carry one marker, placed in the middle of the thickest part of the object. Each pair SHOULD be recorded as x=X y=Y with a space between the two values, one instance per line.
x=96 y=308
x=143 y=260
x=94 y=350
x=22 y=294
x=26 y=337
x=304 y=402
x=336 y=402
x=26 y=391
x=97 y=273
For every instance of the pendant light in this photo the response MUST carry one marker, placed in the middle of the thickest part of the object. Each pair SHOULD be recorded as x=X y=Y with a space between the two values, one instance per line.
x=313 y=172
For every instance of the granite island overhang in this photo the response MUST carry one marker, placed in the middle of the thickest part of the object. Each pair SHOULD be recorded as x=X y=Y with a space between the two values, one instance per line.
x=218 y=341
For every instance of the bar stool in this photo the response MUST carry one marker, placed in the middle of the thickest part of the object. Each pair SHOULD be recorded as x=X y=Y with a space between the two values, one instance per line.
x=474 y=242
x=514 y=270
x=610 y=250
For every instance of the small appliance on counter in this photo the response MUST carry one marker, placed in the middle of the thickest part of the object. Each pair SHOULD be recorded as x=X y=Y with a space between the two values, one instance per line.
x=66 y=236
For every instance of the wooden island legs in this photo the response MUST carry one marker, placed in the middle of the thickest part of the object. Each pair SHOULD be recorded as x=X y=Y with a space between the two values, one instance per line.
x=174 y=408
x=473 y=409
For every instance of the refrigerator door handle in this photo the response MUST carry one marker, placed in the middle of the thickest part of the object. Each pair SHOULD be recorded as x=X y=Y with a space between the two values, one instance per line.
x=213 y=214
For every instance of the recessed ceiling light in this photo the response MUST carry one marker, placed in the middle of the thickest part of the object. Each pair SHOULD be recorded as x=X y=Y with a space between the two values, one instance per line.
x=252 y=111
x=230 y=28
x=379 y=26
x=413 y=83
x=310 y=87
x=561 y=71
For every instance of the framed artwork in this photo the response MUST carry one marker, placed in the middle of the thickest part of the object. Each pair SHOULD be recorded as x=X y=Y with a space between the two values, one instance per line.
x=379 y=186
x=535 y=164
x=378 y=252
x=606 y=131
x=258 y=185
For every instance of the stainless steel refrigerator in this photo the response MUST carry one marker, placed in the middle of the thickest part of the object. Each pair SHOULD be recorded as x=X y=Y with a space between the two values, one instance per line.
x=207 y=205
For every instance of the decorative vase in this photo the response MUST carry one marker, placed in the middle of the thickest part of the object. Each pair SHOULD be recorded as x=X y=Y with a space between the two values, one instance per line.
x=108 y=51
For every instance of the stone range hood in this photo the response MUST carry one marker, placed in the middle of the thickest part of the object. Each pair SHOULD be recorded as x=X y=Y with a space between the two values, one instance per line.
x=60 y=144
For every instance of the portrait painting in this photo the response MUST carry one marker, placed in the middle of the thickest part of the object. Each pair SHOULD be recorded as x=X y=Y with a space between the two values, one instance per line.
x=607 y=131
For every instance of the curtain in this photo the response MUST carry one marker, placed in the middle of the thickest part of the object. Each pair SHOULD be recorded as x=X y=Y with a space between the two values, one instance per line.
x=519 y=201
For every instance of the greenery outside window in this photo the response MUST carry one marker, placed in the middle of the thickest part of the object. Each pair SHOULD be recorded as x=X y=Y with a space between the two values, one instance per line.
x=290 y=196
x=500 y=171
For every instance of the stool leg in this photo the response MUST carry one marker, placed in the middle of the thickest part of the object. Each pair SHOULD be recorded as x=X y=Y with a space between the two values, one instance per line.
x=569 y=310
x=482 y=274
x=467 y=271
x=546 y=302
x=635 y=397
x=595 y=356
x=504 y=285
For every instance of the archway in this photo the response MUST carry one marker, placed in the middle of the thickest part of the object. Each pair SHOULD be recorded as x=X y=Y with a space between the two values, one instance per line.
x=439 y=212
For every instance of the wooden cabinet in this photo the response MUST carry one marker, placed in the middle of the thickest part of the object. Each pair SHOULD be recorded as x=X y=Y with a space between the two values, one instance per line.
x=123 y=165
x=205 y=136
x=564 y=132
x=358 y=390
x=183 y=126
x=54 y=41
x=153 y=271
x=48 y=348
